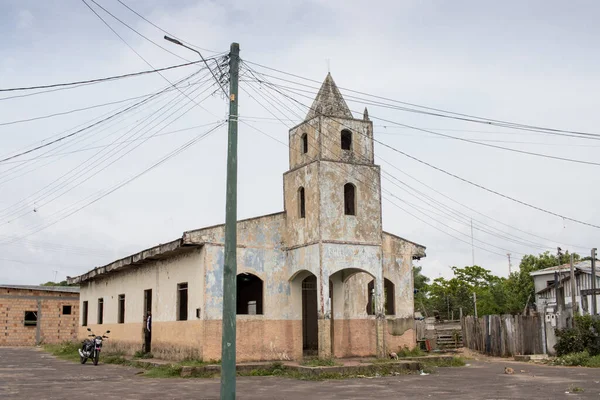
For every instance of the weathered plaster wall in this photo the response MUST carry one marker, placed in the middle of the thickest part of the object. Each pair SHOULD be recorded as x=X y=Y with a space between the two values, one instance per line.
x=362 y=140
x=365 y=226
x=297 y=155
x=170 y=338
x=302 y=230
x=160 y=276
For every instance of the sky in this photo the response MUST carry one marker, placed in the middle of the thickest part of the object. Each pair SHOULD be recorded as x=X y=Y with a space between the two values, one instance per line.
x=530 y=62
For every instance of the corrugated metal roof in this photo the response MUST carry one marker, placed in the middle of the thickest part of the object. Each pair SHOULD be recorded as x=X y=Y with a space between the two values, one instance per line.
x=565 y=267
x=65 y=289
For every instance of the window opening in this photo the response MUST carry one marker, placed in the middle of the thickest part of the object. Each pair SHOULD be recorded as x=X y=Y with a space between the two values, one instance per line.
x=182 y=301
x=346 y=140
x=349 y=199
x=249 y=294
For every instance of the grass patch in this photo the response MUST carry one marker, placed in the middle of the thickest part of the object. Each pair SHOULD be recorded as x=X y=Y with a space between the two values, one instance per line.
x=580 y=359
x=575 y=389
x=143 y=355
x=430 y=366
x=197 y=362
x=163 y=371
x=319 y=362
x=414 y=352
x=66 y=350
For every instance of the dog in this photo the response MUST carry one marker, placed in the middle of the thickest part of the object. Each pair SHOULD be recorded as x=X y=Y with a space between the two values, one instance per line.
x=393 y=356
x=509 y=370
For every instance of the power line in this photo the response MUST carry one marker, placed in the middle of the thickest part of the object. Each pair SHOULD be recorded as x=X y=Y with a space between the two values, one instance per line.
x=463 y=179
x=484 y=120
x=161 y=29
x=136 y=32
x=367 y=184
x=132 y=49
x=85 y=128
x=75 y=110
x=98 y=80
x=172 y=154
x=518 y=241
x=98 y=162
x=459 y=138
x=108 y=145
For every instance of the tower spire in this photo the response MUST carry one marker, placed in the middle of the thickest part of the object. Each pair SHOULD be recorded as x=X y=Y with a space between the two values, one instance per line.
x=329 y=101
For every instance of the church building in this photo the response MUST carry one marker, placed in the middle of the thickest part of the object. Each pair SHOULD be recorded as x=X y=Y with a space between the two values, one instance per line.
x=320 y=278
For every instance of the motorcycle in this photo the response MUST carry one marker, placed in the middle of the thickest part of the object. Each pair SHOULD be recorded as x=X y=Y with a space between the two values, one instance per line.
x=90 y=348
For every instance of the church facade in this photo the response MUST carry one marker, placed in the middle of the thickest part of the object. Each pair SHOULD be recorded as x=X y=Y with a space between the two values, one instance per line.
x=320 y=278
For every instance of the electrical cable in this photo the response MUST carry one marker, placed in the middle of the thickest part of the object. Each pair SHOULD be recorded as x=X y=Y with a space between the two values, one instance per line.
x=174 y=153
x=468 y=181
x=482 y=119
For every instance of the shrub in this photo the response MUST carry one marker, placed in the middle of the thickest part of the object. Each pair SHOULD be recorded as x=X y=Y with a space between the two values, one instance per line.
x=585 y=336
x=406 y=352
x=574 y=359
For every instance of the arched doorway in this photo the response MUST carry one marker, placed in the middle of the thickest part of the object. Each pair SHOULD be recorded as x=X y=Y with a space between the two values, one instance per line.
x=310 y=327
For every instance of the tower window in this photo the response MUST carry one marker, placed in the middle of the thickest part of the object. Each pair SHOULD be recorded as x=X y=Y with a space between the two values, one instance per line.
x=301 y=203
x=304 y=143
x=346 y=140
x=349 y=199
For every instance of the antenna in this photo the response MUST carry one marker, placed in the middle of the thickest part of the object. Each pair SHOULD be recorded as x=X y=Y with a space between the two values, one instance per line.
x=509 y=264
x=55 y=273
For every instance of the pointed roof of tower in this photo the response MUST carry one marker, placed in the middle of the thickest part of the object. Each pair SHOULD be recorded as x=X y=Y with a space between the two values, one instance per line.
x=329 y=101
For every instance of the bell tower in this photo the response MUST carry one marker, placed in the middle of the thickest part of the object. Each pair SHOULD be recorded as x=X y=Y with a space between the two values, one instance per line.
x=332 y=189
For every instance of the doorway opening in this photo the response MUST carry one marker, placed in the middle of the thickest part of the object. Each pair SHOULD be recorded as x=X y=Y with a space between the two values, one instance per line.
x=147 y=320
x=310 y=329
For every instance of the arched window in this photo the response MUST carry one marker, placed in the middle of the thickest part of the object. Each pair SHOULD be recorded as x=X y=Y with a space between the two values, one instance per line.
x=349 y=199
x=346 y=140
x=388 y=297
x=301 y=203
x=249 y=294
x=304 y=143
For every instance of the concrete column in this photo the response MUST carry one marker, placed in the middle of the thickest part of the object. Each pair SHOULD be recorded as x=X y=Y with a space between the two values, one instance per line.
x=324 y=318
x=380 y=317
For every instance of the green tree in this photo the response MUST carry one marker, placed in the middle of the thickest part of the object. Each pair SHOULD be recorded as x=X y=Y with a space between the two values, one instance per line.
x=420 y=282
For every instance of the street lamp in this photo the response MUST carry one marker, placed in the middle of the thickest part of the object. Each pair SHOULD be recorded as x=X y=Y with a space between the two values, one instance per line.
x=177 y=42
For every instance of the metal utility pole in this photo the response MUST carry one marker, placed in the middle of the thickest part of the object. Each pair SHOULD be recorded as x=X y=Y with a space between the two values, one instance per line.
x=472 y=246
x=594 y=298
x=228 y=347
x=475 y=303
x=509 y=264
x=573 y=297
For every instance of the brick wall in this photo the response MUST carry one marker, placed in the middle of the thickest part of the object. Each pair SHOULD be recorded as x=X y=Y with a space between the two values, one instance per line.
x=52 y=325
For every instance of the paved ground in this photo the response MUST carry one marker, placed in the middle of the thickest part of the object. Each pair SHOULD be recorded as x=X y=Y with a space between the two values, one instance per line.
x=27 y=373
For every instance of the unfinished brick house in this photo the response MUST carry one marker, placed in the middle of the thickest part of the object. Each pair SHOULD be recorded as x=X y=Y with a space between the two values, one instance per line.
x=319 y=278
x=33 y=315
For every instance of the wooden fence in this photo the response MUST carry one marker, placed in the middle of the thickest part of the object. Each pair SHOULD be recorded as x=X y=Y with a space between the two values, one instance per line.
x=503 y=335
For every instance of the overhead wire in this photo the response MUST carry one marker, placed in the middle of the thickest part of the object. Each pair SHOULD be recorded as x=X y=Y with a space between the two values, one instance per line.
x=131 y=47
x=98 y=162
x=102 y=194
x=517 y=240
x=564 y=217
x=376 y=189
x=472 y=118
x=470 y=140
x=99 y=80
x=370 y=186
x=162 y=30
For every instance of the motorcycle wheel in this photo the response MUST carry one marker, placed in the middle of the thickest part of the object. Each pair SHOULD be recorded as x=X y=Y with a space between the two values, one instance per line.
x=96 y=359
x=83 y=359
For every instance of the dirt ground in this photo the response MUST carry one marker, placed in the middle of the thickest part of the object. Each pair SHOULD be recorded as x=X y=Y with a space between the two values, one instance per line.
x=27 y=373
